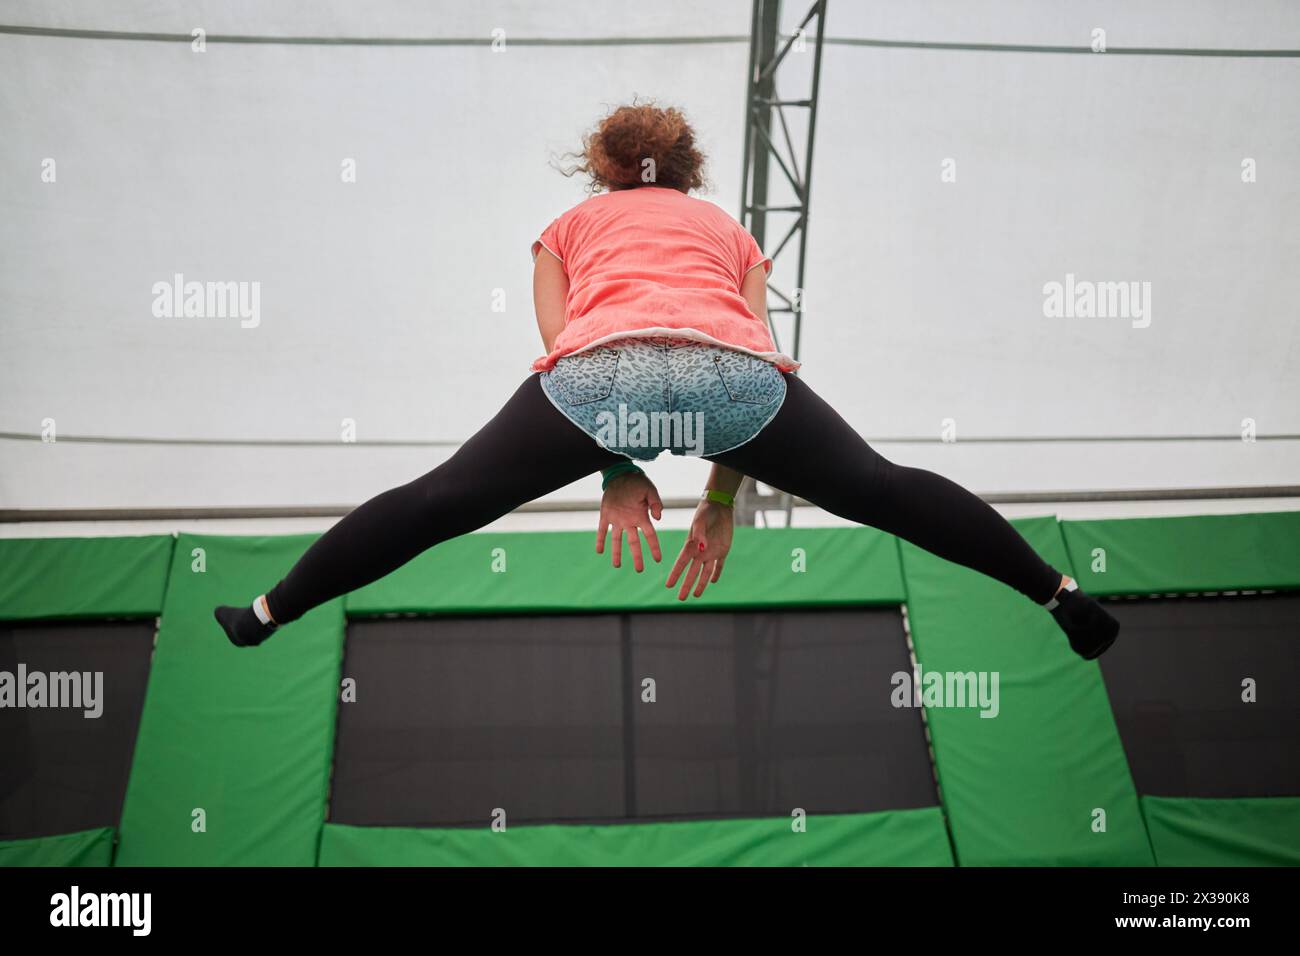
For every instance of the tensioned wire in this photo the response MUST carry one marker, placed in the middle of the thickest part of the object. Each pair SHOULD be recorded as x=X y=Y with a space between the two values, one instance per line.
x=543 y=506
x=449 y=443
x=76 y=34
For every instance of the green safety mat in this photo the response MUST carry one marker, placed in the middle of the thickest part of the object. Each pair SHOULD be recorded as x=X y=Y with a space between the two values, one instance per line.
x=237 y=739
x=246 y=736
x=54 y=578
x=87 y=848
x=1028 y=786
x=522 y=572
x=1178 y=555
x=1255 y=831
x=891 y=838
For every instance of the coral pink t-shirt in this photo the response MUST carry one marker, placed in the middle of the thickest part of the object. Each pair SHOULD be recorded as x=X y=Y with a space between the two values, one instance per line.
x=654 y=261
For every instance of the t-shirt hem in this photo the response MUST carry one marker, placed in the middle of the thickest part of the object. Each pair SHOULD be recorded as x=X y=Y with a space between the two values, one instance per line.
x=783 y=362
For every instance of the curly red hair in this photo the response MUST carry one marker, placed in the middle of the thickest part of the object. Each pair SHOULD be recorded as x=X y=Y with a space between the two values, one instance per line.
x=641 y=145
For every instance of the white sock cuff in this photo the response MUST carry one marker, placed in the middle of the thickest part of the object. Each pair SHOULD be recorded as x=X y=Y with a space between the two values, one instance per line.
x=260 y=609
x=1072 y=586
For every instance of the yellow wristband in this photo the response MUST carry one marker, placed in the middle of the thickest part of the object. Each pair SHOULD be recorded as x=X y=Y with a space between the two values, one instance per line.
x=721 y=497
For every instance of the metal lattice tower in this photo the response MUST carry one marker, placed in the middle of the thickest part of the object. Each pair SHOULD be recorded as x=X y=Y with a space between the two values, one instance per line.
x=763 y=105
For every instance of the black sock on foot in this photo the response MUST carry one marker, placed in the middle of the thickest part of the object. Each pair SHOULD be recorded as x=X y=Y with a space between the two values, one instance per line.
x=1089 y=626
x=242 y=626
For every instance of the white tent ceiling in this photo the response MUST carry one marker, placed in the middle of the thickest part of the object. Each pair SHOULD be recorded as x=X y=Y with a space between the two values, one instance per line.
x=924 y=298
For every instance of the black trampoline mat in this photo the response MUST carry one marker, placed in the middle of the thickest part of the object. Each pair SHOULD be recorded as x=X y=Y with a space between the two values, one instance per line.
x=1175 y=680
x=457 y=717
x=755 y=714
x=759 y=713
x=62 y=771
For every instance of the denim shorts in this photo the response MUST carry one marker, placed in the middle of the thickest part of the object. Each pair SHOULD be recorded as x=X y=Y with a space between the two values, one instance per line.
x=640 y=396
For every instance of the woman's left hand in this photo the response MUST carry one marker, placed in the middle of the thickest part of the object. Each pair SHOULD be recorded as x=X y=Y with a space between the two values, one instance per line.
x=627 y=506
x=705 y=549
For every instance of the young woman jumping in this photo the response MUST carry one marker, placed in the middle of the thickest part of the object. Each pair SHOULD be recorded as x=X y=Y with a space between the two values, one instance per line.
x=652 y=308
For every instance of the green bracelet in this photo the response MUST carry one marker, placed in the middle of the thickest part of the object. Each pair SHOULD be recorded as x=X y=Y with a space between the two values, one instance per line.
x=721 y=497
x=613 y=471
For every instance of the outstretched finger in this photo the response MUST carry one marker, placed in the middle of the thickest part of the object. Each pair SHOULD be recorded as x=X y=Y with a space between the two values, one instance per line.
x=689 y=579
x=652 y=539
x=706 y=575
x=602 y=532
x=717 y=570
x=634 y=543
x=679 y=565
x=617 y=556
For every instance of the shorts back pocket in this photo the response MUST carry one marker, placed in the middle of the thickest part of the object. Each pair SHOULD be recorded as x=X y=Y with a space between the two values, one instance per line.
x=584 y=377
x=746 y=378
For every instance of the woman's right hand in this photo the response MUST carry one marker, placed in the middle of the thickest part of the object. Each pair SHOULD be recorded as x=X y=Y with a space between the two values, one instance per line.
x=627 y=506
x=705 y=550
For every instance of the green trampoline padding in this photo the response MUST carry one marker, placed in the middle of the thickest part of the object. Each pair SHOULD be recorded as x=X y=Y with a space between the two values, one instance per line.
x=1029 y=786
x=560 y=572
x=891 y=838
x=54 y=578
x=244 y=735
x=86 y=848
x=1257 y=831
x=1177 y=555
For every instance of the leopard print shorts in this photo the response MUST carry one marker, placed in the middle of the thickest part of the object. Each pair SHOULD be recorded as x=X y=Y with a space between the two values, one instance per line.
x=640 y=396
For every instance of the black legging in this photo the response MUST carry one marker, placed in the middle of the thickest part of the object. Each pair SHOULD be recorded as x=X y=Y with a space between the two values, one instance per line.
x=530 y=449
